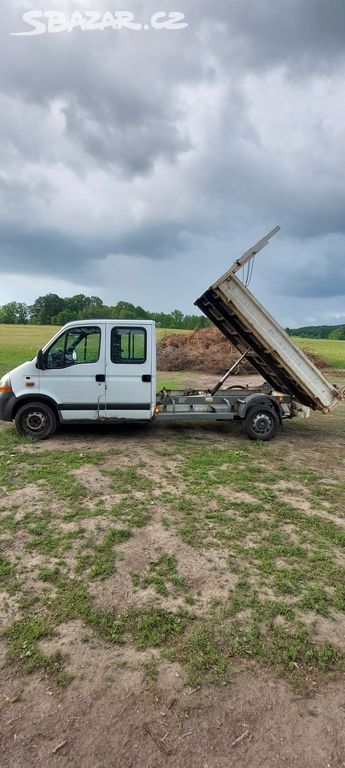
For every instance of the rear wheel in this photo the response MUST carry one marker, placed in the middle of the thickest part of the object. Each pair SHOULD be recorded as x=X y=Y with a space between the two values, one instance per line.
x=261 y=423
x=36 y=420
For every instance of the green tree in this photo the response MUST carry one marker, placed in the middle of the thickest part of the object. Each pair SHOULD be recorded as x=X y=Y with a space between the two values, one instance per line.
x=66 y=316
x=177 y=319
x=126 y=310
x=45 y=308
x=95 y=300
x=338 y=333
x=96 y=312
x=14 y=312
x=191 y=322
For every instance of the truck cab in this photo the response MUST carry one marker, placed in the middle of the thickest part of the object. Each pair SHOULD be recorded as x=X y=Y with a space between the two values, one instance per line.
x=91 y=370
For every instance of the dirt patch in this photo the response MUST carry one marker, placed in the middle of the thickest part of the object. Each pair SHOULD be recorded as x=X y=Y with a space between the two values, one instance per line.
x=299 y=503
x=28 y=498
x=206 y=577
x=93 y=479
x=333 y=632
x=119 y=718
x=8 y=609
x=326 y=630
x=85 y=651
x=286 y=485
x=239 y=496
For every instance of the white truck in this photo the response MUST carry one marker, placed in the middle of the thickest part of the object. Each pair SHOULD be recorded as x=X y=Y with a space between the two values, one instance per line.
x=105 y=371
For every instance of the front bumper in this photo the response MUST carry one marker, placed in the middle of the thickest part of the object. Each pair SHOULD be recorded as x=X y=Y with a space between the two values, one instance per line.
x=7 y=403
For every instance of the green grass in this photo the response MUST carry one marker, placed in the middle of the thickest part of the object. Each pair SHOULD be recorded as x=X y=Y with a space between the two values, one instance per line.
x=100 y=560
x=124 y=478
x=9 y=578
x=163 y=576
x=23 y=649
x=179 y=380
x=134 y=512
x=331 y=350
x=202 y=655
x=162 y=333
x=213 y=646
x=51 y=471
x=154 y=626
x=19 y=343
x=169 y=382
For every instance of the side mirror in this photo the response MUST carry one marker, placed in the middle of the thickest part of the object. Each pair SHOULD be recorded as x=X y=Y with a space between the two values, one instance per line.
x=40 y=361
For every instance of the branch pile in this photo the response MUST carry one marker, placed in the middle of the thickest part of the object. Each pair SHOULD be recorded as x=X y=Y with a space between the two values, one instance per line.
x=207 y=350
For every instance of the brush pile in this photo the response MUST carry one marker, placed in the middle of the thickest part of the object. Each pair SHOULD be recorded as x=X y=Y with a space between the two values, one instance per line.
x=207 y=350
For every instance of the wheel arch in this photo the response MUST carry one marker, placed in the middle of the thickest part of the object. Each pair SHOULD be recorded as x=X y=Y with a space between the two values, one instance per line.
x=257 y=400
x=36 y=398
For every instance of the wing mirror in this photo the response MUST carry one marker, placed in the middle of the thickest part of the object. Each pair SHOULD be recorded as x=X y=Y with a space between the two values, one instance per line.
x=40 y=361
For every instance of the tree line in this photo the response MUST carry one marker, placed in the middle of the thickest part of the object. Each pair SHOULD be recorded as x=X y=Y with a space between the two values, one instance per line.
x=319 y=332
x=51 y=309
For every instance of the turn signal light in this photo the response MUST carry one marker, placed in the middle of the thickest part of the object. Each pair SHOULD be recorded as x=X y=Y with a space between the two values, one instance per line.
x=5 y=389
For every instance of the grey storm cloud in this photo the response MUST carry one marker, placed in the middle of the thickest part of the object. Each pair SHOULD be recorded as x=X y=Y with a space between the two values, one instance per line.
x=284 y=32
x=138 y=144
x=48 y=252
x=319 y=271
x=325 y=284
x=126 y=144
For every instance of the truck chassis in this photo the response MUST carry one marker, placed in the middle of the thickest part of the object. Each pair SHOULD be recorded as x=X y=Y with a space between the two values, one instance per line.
x=260 y=411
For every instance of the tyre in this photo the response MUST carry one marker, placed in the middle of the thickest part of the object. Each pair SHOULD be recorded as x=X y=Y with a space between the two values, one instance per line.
x=261 y=423
x=36 y=420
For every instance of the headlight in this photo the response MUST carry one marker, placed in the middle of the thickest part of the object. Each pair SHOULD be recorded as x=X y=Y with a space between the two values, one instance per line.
x=5 y=383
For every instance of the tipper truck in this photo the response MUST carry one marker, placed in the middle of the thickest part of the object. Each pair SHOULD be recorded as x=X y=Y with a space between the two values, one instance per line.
x=105 y=371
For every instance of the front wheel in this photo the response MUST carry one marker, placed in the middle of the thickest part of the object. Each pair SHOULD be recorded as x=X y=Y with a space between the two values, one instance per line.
x=36 y=420
x=261 y=423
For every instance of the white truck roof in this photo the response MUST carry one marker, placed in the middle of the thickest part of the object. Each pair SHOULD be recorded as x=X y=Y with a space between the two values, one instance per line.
x=115 y=321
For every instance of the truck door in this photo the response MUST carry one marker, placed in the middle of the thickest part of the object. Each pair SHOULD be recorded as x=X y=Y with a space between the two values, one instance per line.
x=74 y=376
x=130 y=372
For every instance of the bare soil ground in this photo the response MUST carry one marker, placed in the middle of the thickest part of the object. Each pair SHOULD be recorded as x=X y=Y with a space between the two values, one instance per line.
x=173 y=596
x=110 y=716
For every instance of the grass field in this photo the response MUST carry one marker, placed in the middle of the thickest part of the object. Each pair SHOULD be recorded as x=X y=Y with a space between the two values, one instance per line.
x=331 y=350
x=19 y=343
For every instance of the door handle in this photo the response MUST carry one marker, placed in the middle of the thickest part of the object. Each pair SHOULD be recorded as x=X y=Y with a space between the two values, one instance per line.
x=100 y=378
x=146 y=377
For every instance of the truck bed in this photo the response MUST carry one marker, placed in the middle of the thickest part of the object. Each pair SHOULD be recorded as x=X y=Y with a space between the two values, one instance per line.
x=247 y=324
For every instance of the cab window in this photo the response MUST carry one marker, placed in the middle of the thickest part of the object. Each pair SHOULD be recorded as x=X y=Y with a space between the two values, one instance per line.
x=128 y=345
x=76 y=346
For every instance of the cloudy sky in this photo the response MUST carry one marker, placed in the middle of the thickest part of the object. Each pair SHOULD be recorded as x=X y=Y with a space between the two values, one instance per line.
x=137 y=164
